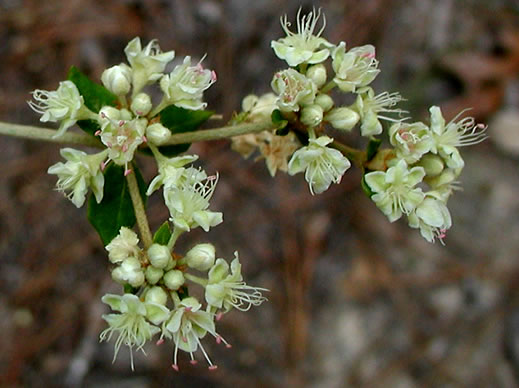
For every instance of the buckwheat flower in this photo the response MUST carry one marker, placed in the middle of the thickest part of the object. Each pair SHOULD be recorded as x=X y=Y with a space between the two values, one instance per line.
x=118 y=79
x=171 y=171
x=80 y=173
x=187 y=326
x=447 y=137
x=303 y=46
x=395 y=191
x=131 y=324
x=147 y=64
x=157 y=134
x=185 y=85
x=311 y=115
x=276 y=150
x=188 y=204
x=124 y=245
x=293 y=89
x=322 y=165
x=259 y=108
x=129 y=271
x=64 y=104
x=373 y=108
x=445 y=183
x=226 y=290
x=122 y=139
x=411 y=140
x=342 y=118
x=432 y=217
x=355 y=68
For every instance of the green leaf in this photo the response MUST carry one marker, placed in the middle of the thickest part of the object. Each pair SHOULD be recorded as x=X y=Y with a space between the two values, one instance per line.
x=163 y=234
x=278 y=119
x=116 y=208
x=95 y=96
x=180 y=120
x=129 y=289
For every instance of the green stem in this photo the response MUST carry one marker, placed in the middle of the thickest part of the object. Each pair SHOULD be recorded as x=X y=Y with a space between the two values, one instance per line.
x=329 y=86
x=358 y=157
x=38 y=133
x=174 y=236
x=138 y=207
x=196 y=279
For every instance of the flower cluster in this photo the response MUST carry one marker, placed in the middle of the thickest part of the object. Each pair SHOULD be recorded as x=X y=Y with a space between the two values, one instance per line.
x=129 y=124
x=414 y=178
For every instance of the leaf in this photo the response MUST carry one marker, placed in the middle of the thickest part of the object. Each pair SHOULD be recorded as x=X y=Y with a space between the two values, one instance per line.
x=180 y=120
x=163 y=234
x=116 y=208
x=95 y=96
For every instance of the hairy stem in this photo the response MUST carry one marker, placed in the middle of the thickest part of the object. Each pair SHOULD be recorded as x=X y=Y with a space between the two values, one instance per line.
x=140 y=214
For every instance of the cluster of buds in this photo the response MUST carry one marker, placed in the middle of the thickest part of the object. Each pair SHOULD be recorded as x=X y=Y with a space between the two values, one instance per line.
x=156 y=280
x=414 y=178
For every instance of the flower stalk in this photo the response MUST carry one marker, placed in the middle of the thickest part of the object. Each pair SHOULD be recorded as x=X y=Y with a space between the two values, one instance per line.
x=140 y=214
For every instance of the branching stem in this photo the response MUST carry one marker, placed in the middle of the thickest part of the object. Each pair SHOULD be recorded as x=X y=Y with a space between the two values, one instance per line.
x=140 y=213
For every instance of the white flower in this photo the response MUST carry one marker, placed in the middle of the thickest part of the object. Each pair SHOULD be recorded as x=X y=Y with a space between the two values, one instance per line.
x=64 y=104
x=373 y=108
x=185 y=85
x=395 y=191
x=303 y=46
x=147 y=64
x=447 y=137
x=124 y=245
x=188 y=203
x=78 y=174
x=355 y=68
x=131 y=324
x=171 y=171
x=187 y=326
x=130 y=271
x=432 y=217
x=322 y=165
x=294 y=90
x=259 y=108
x=226 y=290
x=117 y=79
x=411 y=140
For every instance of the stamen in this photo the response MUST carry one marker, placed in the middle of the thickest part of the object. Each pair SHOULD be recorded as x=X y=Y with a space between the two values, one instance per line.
x=175 y=367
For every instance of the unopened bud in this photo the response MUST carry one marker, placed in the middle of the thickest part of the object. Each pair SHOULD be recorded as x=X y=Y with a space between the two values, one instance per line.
x=342 y=118
x=141 y=104
x=159 y=255
x=311 y=115
x=156 y=295
x=153 y=274
x=157 y=133
x=174 y=279
x=201 y=257
x=317 y=73
x=432 y=164
x=130 y=272
x=324 y=101
x=117 y=79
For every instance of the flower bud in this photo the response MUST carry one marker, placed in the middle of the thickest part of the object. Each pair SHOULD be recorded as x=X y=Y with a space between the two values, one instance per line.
x=174 y=279
x=129 y=271
x=342 y=118
x=153 y=274
x=317 y=73
x=157 y=133
x=324 y=101
x=432 y=164
x=312 y=115
x=201 y=257
x=109 y=113
x=141 y=104
x=159 y=255
x=156 y=295
x=117 y=79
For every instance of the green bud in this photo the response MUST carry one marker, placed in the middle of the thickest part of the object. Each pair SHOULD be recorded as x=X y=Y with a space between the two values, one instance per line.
x=153 y=274
x=174 y=279
x=117 y=79
x=317 y=73
x=156 y=295
x=159 y=255
x=432 y=164
x=324 y=101
x=141 y=104
x=157 y=133
x=201 y=257
x=311 y=115
x=342 y=118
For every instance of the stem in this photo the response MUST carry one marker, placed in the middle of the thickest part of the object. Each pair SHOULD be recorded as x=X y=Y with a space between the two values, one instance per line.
x=174 y=236
x=196 y=279
x=140 y=214
x=358 y=157
x=38 y=133
x=329 y=86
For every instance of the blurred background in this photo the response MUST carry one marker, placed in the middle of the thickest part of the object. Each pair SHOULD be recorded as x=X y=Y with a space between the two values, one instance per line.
x=355 y=301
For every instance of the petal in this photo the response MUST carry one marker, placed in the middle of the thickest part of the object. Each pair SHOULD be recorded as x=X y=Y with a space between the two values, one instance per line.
x=112 y=300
